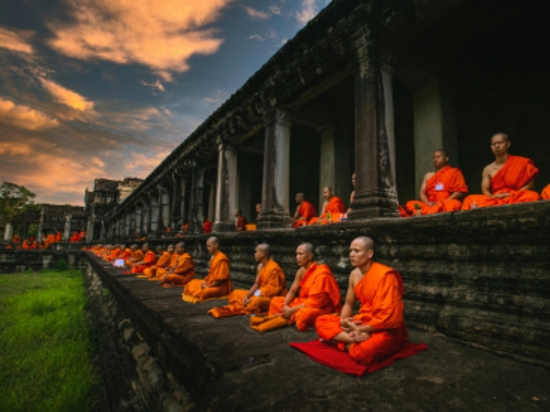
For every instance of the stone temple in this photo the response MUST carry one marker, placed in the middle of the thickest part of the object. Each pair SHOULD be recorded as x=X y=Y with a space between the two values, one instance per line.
x=371 y=87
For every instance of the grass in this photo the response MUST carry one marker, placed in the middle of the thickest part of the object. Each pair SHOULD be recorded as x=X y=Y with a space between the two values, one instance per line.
x=45 y=343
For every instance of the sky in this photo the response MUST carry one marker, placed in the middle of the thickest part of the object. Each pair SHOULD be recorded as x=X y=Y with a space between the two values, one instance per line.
x=108 y=88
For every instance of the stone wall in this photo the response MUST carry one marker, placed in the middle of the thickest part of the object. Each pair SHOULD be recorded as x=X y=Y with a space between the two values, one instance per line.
x=482 y=277
x=15 y=261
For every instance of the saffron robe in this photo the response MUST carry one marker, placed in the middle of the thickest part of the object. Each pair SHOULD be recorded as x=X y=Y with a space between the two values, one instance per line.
x=546 y=193
x=320 y=294
x=183 y=273
x=380 y=293
x=51 y=238
x=114 y=255
x=207 y=227
x=335 y=205
x=162 y=263
x=15 y=239
x=307 y=212
x=125 y=255
x=219 y=271
x=44 y=244
x=58 y=237
x=160 y=272
x=136 y=257
x=26 y=244
x=74 y=238
x=272 y=283
x=516 y=173
x=149 y=260
x=438 y=189
x=241 y=223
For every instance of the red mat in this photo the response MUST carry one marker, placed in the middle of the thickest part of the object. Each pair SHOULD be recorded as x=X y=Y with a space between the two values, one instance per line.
x=331 y=356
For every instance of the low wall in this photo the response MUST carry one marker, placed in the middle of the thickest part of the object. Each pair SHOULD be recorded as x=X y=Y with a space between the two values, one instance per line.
x=482 y=276
x=15 y=261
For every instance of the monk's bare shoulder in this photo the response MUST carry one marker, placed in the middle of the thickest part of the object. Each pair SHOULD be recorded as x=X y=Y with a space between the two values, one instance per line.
x=355 y=276
x=429 y=175
x=300 y=273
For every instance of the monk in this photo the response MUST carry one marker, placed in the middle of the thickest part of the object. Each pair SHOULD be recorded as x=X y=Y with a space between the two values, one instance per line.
x=51 y=238
x=508 y=180
x=258 y=211
x=15 y=239
x=441 y=191
x=74 y=238
x=58 y=237
x=137 y=256
x=34 y=245
x=182 y=272
x=26 y=244
x=218 y=281
x=32 y=238
x=44 y=243
x=207 y=227
x=270 y=282
x=115 y=253
x=319 y=295
x=149 y=259
x=352 y=196
x=240 y=221
x=304 y=212
x=546 y=193
x=332 y=204
x=162 y=263
x=126 y=254
x=378 y=330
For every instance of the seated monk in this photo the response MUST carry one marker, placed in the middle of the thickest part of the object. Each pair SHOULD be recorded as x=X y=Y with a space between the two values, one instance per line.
x=148 y=260
x=332 y=204
x=137 y=256
x=258 y=211
x=441 y=191
x=546 y=193
x=81 y=236
x=163 y=261
x=74 y=238
x=182 y=272
x=58 y=237
x=44 y=243
x=15 y=239
x=106 y=252
x=34 y=245
x=270 y=282
x=352 y=196
x=26 y=244
x=240 y=221
x=114 y=255
x=126 y=254
x=304 y=212
x=207 y=227
x=32 y=238
x=319 y=295
x=508 y=180
x=51 y=238
x=378 y=330
x=218 y=281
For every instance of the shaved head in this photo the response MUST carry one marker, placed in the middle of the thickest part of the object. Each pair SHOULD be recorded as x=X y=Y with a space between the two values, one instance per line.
x=159 y=248
x=503 y=135
x=265 y=249
x=441 y=151
x=308 y=247
x=367 y=242
x=214 y=239
x=181 y=244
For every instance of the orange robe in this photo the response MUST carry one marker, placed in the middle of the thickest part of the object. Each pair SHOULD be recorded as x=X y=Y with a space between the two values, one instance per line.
x=15 y=239
x=546 y=193
x=318 y=291
x=58 y=237
x=241 y=223
x=26 y=244
x=183 y=273
x=34 y=245
x=380 y=293
x=272 y=284
x=160 y=272
x=125 y=255
x=516 y=173
x=162 y=263
x=114 y=255
x=32 y=238
x=307 y=211
x=207 y=228
x=335 y=205
x=219 y=271
x=136 y=257
x=438 y=189
x=44 y=244
x=74 y=238
x=149 y=260
x=51 y=238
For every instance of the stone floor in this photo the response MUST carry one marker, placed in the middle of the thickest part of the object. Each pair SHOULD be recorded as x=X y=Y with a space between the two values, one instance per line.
x=253 y=372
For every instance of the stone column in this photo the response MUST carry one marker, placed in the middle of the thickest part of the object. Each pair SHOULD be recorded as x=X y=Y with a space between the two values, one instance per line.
x=375 y=193
x=197 y=186
x=138 y=222
x=226 y=188
x=8 y=233
x=387 y=86
x=164 y=199
x=146 y=217
x=176 y=208
x=154 y=201
x=103 y=232
x=40 y=227
x=327 y=162
x=275 y=190
x=127 y=224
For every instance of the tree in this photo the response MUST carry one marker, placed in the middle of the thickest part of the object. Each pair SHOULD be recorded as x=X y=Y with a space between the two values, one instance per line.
x=14 y=199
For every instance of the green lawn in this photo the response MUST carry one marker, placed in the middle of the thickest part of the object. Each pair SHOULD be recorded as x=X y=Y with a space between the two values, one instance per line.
x=45 y=343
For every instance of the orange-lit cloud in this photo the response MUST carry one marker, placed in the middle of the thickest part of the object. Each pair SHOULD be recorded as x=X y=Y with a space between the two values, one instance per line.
x=16 y=41
x=162 y=35
x=142 y=165
x=24 y=117
x=66 y=96
x=256 y=14
x=308 y=11
x=156 y=85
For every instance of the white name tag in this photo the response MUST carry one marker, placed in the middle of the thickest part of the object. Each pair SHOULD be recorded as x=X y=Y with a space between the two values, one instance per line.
x=119 y=263
x=258 y=292
x=439 y=187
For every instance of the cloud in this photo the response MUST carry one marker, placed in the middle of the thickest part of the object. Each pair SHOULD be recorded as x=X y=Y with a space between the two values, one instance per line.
x=270 y=34
x=275 y=10
x=98 y=162
x=24 y=117
x=66 y=96
x=16 y=41
x=308 y=11
x=156 y=85
x=256 y=14
x=219 y=97
x=161 y=35
x=141 y=165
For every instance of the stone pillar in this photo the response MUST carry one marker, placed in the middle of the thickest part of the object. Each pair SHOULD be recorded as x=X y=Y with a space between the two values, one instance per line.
x=145 y=217
x=127 y=224
x=154 y=201
x=275 y=190
x=164 y=199
x=90 y=228
x=8 y=233
x=40 y=227
x=133 y=231
x=103 y=233
x=197 y=185
x=375 y=193
x=327 y=162
x=177 y=201
x=226 y=188
x=138 y=222
x=387 y=86
x=434 y=126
